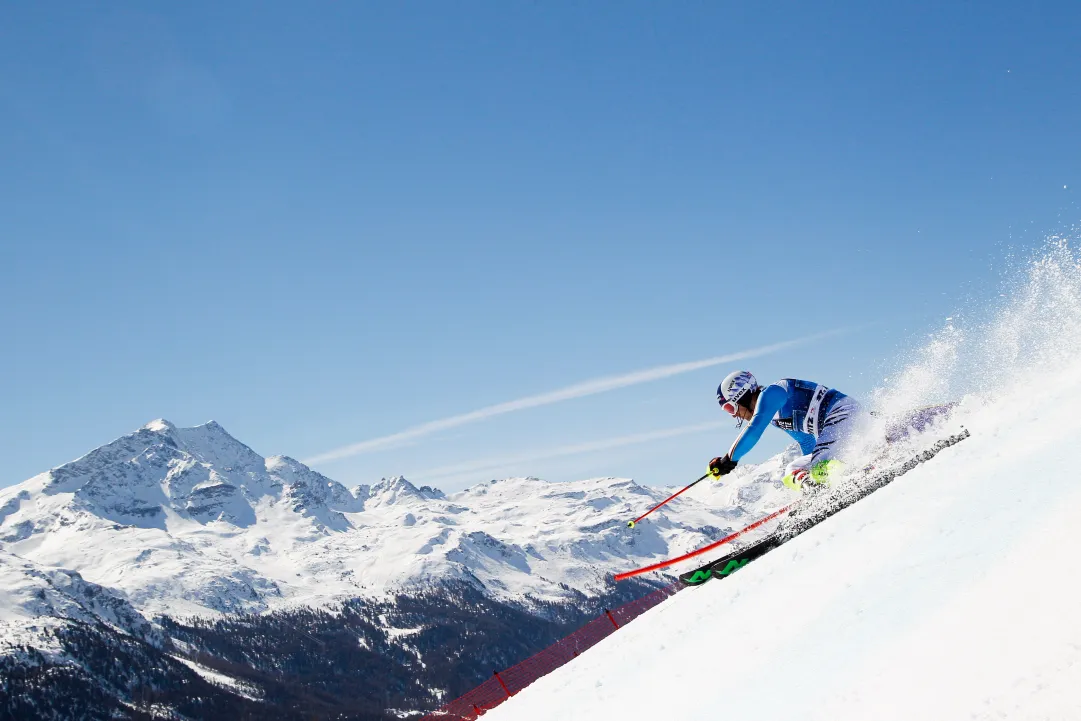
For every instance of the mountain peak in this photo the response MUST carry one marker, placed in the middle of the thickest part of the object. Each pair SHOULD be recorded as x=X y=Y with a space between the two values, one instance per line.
x=287 y=463
x=431 y=492
x=396 y=483
x=397 y=490
x=159 y=425
x=211 y=443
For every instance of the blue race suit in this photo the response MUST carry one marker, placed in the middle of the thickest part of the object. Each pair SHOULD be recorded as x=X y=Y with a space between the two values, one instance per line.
x=817 y=417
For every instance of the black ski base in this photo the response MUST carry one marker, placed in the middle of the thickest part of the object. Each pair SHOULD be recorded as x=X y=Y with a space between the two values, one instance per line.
x=812 y=511
x=731 y=563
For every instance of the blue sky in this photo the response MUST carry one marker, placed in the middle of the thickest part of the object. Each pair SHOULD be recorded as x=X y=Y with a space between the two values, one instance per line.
x=325 y=223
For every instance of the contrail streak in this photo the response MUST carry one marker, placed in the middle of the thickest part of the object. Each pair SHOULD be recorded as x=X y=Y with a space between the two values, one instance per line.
x=578 y=390
x=493 y=464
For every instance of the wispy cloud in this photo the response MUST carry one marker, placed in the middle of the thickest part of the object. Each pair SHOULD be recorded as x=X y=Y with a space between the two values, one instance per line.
x=488 y=465
x=578 y=390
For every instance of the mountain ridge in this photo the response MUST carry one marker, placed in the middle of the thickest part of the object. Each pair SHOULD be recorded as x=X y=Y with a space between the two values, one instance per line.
x=193 y=520
x=177 y=568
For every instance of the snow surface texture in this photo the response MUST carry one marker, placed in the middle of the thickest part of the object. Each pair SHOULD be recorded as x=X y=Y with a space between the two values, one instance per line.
x=951 y=594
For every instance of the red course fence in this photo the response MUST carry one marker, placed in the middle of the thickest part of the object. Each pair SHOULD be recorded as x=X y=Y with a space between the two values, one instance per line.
x=504 y=684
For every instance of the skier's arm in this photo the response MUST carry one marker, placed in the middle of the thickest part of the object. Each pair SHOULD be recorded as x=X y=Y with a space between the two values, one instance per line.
x=770 y=400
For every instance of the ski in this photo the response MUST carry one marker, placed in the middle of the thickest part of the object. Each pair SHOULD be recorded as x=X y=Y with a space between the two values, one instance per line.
x=727 y=565
x=812 y=511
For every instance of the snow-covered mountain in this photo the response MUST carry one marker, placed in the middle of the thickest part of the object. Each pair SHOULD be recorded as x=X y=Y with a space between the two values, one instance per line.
x=190 y=521
x=157 y=548
x=51 y=596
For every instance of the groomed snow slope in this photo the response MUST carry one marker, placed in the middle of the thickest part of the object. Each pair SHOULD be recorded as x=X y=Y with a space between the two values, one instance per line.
x=954 y=593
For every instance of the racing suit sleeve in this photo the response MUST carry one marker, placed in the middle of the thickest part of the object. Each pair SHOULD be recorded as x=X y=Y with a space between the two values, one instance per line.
x=770 y=400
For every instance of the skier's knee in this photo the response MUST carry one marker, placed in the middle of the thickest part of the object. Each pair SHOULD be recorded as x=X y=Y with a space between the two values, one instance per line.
x=821 y=471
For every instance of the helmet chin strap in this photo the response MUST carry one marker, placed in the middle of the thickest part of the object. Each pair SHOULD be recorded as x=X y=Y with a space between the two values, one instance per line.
x=748 y=396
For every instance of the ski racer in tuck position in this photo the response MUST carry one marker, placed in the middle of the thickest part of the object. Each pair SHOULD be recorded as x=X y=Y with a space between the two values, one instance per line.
x=820 y=419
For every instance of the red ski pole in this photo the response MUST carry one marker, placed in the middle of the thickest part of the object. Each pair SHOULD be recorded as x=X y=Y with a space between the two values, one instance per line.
x=630 y=524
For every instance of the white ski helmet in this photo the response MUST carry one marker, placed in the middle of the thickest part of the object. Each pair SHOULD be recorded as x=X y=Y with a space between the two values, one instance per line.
x=734 y=386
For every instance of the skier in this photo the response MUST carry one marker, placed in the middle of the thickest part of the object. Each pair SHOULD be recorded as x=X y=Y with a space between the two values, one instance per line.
x=819 y=418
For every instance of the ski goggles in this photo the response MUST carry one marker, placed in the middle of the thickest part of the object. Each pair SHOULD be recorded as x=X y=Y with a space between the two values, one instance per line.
x=730 y=406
